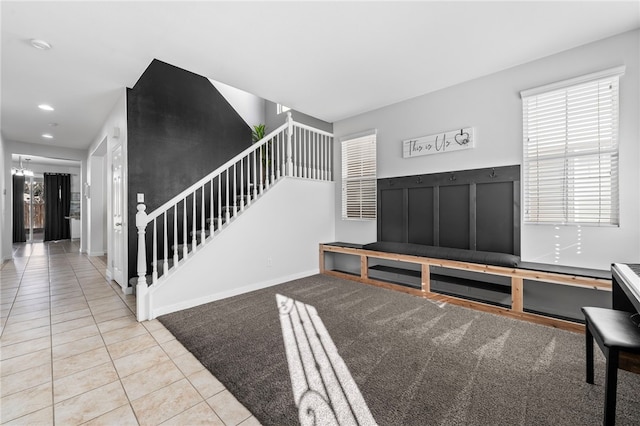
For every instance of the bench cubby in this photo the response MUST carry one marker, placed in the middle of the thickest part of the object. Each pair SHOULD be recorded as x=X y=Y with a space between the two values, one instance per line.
x=547 y=294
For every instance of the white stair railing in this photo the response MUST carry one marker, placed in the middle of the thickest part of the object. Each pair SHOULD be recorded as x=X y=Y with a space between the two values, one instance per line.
x=192 y=218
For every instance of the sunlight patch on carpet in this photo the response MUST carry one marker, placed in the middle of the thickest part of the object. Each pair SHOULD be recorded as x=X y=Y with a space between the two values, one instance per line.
x=323 y=389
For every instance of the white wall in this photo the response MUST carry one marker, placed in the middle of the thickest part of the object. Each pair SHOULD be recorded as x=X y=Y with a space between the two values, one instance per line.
x=275 y=240
x=4 y=195
x=99 y=163
x=25 y=149
x=275 y=120
x=97 y=206
x=492 y=105
x=250 y=107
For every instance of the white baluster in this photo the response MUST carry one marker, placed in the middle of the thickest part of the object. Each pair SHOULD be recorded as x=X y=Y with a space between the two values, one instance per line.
x=260 y=166
x=211 y=216
x=271 y=153
x=185 y=240
x=266 y=165
x=330 y=177
x=301 y=152
x=255 y=170
x=226 y=209
x=294 y=151
x=309 y=154
x=165 y=247
x=219 y=201
x=248 y=177
x=234 y=193
x=323 y=157
x=327 y=147
x=276 y=155
x=241 y=184
x=203 y=233
x=314 y=162
x=325 y=153
x=175 y=236
x=154 y=247
x=194 y=221
x=289 y=147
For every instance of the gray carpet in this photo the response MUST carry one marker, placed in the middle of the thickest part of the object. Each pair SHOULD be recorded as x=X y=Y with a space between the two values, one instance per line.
x=414 y=361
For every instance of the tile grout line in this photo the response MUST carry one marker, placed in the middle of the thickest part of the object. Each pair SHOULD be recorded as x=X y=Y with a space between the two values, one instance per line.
x=53 y=405
x=79 y=265
x=13 y=302
x=105 y=345
x=9 y=315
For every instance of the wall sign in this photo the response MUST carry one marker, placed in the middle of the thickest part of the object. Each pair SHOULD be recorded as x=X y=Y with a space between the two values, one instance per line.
x=453 y=140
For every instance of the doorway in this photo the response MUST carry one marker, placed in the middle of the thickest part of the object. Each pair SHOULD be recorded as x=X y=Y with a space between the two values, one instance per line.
x=34 y=209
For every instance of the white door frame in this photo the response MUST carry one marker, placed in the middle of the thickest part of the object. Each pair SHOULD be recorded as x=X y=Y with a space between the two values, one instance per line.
x=97 y=196
x=113 y=145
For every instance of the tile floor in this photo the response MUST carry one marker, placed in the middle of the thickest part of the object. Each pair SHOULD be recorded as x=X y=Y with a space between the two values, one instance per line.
x=72 y=352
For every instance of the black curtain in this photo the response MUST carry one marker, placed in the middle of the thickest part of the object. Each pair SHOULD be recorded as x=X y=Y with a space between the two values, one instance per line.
x=19 y=235
x=57 y=202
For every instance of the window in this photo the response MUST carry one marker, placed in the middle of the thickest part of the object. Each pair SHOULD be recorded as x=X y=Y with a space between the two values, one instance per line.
x=570 y=132
x=281 y=108
x=359 y=177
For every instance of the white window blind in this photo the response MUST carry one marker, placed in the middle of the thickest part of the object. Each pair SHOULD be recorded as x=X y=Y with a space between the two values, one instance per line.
x=571 y=151
x=359 y=178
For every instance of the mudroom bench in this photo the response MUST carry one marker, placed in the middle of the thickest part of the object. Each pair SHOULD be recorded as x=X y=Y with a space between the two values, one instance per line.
x=493 y=282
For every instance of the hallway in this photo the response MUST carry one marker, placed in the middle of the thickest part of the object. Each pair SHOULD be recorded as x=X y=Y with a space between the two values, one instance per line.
x=73 y=353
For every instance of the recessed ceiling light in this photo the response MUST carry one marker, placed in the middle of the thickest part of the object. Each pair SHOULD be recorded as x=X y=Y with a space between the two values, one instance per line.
x=40 y=44
x=47 y=136
x=45 y=107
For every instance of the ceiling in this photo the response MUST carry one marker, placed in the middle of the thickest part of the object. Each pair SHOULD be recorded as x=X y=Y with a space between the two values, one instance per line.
x=331 y=60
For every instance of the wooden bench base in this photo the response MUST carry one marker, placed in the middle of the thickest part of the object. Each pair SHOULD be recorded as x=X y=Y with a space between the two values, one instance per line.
x=517 y=276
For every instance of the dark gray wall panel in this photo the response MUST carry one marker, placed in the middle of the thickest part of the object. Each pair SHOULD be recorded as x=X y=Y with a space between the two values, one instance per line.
x=494 y=217
x=420 y=218
x=454 y=216
x=392 y=215
x=470 y=209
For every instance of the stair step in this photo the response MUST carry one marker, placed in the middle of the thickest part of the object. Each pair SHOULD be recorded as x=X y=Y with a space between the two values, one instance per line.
x=199 y=233
x=215 y=221
x=161 y=263
x=133 y=281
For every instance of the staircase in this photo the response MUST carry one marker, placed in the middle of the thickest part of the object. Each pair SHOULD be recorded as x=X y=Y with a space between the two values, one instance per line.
x=174 y=233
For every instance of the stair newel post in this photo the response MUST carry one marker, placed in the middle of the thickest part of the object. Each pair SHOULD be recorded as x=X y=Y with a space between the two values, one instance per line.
x=142 y=288
x=289 y=170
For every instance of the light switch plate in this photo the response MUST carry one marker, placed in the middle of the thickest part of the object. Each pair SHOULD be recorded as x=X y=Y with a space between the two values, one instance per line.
x=140 y=197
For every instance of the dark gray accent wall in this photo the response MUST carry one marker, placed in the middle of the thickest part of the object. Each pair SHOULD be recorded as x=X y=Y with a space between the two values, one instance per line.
x=468 y=209
x=180 y=128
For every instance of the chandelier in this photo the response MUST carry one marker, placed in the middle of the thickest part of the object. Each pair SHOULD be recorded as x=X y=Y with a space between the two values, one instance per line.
x=21 y=171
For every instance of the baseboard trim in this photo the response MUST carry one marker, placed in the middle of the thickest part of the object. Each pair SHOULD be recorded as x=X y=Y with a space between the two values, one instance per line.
x=96 y=253
x=163 y=310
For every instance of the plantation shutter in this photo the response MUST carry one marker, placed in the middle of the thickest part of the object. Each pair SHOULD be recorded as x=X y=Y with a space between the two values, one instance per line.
x=359 y=178
x=570 y=151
